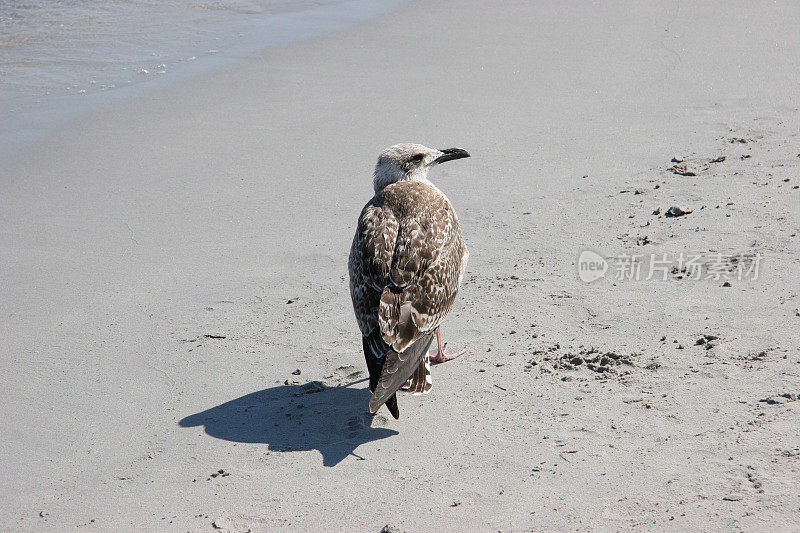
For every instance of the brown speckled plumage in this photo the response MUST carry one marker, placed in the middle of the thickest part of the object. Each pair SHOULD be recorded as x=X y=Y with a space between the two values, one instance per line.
x=406 y=264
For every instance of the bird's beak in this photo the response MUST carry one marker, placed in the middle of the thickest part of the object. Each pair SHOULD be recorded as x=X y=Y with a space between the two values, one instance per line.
x=448 y=154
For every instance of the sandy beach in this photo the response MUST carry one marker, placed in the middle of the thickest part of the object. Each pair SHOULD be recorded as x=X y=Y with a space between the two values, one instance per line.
x=180 y=351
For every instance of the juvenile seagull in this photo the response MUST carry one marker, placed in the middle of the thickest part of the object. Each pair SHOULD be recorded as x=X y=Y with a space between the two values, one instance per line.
x=406 y=264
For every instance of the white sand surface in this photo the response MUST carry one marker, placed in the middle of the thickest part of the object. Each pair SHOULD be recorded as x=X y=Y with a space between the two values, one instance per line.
x=224 y=206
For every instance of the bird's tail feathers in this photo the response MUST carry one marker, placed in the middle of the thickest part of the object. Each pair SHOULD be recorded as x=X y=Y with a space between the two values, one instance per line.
x=420 y=381
x=375 y=351
x=391 y=405
x=397 y=369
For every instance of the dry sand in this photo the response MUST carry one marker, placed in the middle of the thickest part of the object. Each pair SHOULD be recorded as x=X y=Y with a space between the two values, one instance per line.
x=170 y=262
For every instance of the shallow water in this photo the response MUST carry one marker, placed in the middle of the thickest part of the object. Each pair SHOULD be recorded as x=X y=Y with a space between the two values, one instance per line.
x=58 y=56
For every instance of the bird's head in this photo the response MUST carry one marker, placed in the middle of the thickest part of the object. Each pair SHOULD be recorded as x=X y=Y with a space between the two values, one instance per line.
x=410 y=162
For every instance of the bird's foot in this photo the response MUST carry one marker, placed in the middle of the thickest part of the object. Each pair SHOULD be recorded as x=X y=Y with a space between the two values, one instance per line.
x=442 y=354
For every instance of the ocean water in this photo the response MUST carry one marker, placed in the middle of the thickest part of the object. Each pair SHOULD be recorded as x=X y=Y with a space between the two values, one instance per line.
x=60 y=57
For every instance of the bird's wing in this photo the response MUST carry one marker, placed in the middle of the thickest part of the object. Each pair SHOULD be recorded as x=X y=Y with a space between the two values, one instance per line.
x=427 y=264
x=371 y=261
x=440 y=277
x=369 y=266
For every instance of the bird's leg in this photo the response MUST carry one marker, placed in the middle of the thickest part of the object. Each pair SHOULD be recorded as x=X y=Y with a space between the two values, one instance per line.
x=443 y=353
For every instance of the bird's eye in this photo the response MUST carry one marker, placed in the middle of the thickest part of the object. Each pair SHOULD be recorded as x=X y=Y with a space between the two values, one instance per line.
x=417 y=158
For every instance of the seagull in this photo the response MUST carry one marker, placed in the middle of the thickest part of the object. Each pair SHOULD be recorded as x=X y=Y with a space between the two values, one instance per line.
x=406 y=264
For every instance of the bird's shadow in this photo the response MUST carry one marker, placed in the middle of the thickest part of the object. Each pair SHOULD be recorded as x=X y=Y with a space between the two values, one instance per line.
x=289 y=418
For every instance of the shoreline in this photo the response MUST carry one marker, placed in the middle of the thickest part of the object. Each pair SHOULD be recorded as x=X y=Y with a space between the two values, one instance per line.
x=43 y=115
x=171 y=260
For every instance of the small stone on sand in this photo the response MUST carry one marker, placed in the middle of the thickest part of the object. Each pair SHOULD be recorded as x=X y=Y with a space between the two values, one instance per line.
x=674 y=212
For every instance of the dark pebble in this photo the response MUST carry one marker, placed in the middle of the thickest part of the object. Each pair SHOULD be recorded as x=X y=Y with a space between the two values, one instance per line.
x=674 y=211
